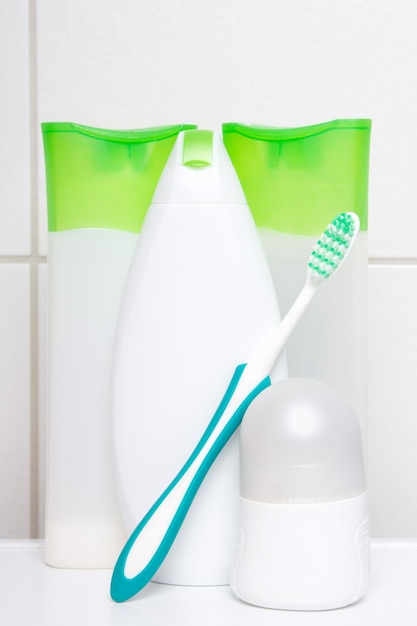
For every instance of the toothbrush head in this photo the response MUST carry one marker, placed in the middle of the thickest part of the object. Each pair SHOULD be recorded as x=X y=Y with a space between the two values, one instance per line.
x=333 y=247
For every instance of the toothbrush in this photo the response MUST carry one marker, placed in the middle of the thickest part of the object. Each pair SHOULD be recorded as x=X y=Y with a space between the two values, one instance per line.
x=150 y=542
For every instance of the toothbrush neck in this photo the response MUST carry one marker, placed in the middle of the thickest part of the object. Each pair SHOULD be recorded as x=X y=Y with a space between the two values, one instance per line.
x=289 y=322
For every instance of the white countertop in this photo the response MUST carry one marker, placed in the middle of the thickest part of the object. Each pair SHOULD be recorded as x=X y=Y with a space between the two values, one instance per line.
x=33 y=594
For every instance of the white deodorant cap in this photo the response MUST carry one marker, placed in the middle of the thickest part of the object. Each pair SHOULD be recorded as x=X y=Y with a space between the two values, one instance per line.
x=301 y=442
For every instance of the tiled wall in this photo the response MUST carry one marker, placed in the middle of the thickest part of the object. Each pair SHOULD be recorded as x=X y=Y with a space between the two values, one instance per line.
x=138 y=63
x=18 y=411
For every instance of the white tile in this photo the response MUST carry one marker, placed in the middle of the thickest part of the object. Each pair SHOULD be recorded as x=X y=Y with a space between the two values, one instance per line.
x=134 y=64
x=15 y=430
x=393 y=400
x=14 y=129
x=125 y=62
x=42 y=364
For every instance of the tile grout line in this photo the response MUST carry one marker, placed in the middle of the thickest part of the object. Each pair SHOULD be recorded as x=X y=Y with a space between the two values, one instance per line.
x=22 y=260
x=384 y=261
x=34 y=262
x=39 y=258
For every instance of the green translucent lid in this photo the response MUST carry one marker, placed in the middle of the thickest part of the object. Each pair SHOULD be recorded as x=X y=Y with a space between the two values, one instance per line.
x=297 y=179
x=98 y=178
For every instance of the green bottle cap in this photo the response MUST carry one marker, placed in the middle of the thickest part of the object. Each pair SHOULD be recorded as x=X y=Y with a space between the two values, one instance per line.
x=98 y=178
x=297 y=179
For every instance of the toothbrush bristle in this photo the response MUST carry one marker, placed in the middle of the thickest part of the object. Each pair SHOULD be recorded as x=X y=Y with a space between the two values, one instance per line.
x=333 y=245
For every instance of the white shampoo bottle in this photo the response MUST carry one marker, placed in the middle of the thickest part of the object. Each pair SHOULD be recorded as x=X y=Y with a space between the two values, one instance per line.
x=295 y=181
x=199 y=298
x=99 y=186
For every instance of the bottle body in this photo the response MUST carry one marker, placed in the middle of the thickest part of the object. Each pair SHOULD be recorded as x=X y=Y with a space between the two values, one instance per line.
x=302 y=557
x=87 y=271
x=198 y=301
x=99 y=186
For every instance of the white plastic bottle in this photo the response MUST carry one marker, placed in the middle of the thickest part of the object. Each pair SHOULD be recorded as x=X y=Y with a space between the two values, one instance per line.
x=198 y=300
x=99 y=186
x=296 y=180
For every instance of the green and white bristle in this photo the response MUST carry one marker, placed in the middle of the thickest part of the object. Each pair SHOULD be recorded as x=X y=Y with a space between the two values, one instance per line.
x=332 y=247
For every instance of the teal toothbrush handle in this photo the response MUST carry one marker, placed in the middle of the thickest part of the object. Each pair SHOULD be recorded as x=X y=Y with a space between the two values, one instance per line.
x=150 y=542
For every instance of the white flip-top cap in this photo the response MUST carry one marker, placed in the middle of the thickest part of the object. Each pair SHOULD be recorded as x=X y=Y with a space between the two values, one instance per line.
x=301 y=442
x=199 y=171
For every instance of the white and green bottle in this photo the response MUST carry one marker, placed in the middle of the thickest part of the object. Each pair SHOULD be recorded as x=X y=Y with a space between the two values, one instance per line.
x=99 y=186
x=295 y=180
x=199 y=298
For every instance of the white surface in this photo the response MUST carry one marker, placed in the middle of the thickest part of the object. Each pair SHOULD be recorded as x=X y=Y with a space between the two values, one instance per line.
x=32 y=593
